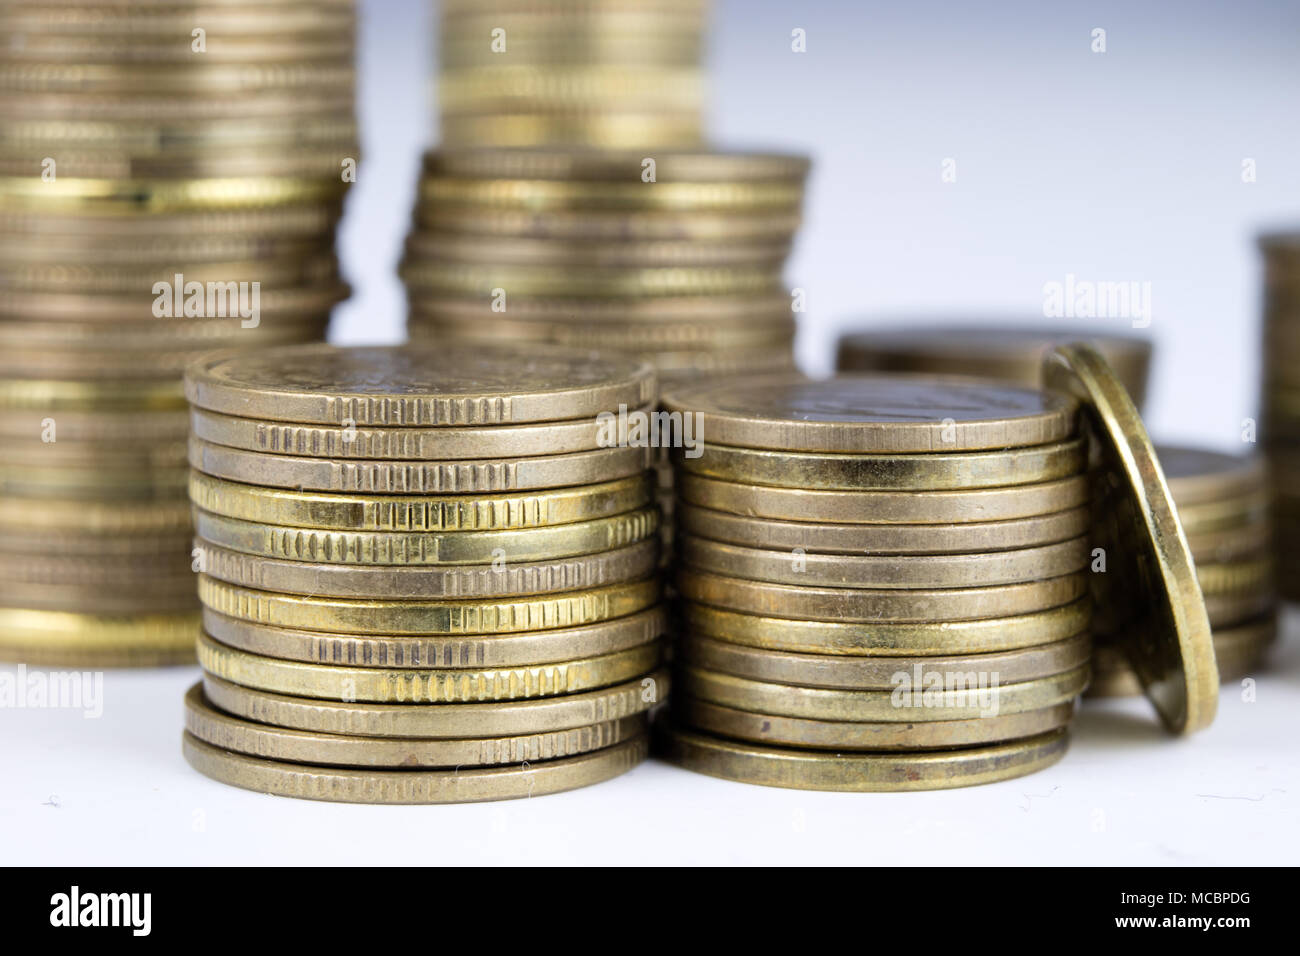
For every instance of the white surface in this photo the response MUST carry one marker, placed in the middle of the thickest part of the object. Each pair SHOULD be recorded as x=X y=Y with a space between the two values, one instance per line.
x=116 y=791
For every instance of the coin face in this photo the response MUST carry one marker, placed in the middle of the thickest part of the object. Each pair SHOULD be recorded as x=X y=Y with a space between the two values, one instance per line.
x=414 y=385
x=873 y=413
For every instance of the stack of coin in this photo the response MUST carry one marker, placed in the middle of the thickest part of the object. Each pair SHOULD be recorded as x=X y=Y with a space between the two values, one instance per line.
x=170 y=179
x=427 y=574
x=884 y=580
x=1003 y=351
x=1224 y=504
x=674 y=258
x=603 y=73
x=1280 y=402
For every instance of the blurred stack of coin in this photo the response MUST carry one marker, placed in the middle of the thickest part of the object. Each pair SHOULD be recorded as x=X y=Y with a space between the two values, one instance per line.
x=170 y=179
x=1280 y=401
x=579 y=249
x=603 y=73
x=1224 y=504
x=1004 y=351
x=428 y=574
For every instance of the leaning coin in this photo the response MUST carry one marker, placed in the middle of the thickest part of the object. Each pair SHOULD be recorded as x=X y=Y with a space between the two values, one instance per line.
x=875 y=605
x=496 y=719
x=421 y=685
x=867 y=735
x=882 y=673
x=276 y=743
x=483 y=616
x=799 y=567
x=380 y=650
x=809 y=770
x=413 y=786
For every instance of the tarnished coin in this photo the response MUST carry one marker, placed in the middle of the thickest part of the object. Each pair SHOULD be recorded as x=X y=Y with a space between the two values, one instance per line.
x=277 y=743
x=890 y=639
x=442 y=721
x=876 y=605
x=883 y=539
x=839 y=735
x=810 y=770
x=869 y=414
x=423 y=685
x=432 y=386
x=862 y=472
x=800 y=568
x=413 y=786
x=1151 y=583
x=386 y=650
x=883 y=673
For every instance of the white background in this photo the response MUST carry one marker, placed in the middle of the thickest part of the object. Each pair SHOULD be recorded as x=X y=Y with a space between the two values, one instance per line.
x=1118 y=166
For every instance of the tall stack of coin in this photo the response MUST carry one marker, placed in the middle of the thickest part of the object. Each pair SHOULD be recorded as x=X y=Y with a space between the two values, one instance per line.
x=427 y=574
x=1280 y=401
x=603 y=73
x=885 y=579
x=170 y=179
x=1224 y=504
x=1011 y=353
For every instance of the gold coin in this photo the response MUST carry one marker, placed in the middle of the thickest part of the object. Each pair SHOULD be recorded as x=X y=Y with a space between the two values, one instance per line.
x=881 y=539
x=1225 y=514
x=442 y=721
x=311 y=221
x=89 y=363
x=613 y=225
x=275 y=743
x=884 y=571
x=149 y=20
x=438 y=246
x=464 y=279
x=1151 y=583
x=92 y=484
x=872 y=414
x=377 y=650
x=560 y=86
x=1230 y=608
x=55 y=396
x=420 y=685
x=144 y=461
x=305 y=303
x=878 y=606
x=500 y=550
x=83 y=277
x=543 y=195
x=67 y=639
x=75 y=195
x=41 y=48
x=572 y=165
x=1237 y=650
x=890 y=639
x=457 y=513
x=211 y=79
x=413 y=443
x=972 y=696
x=859 y=773
x=884 y=507
x=1235 y=577
x=486 y=476
x=1230 y=544
x=882 y=673
x=821 y=471
x=840 y=735
x=643 y=338
x=413 y=786
x=1199 y=476
x=112 y=426
x=94 y=518
x=616 y=129
x=428 y=617
x=425 y=387
x=704 y=310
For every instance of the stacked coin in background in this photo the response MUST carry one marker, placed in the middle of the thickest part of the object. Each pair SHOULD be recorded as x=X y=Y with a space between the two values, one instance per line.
x=604 y=73
x=1007 y=352
x=428 y=574
x=1280 y=401
x=170 y=180
x=883 y=580
x=1224 y=504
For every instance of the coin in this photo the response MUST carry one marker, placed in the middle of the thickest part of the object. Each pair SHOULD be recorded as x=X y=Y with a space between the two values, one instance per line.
x=808 y=770
x=799 y=567
x=881 y=539
x=890 y=639
x=601 y=130
x=275 y=743
x=578 y=165
x=18 y=193
x=878 y=606
x=413 y=786
x=1235 y=577
x=842 y=735
x=501 y=616
x=1199 y=476
x=882 y=472
x=873 y=414
x=436 y=278
x=416 y=387
x=62 y=638
x=378 y=650
x=422 y=685
x=1151 y=582
x=441 y=721
x=631 y=193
